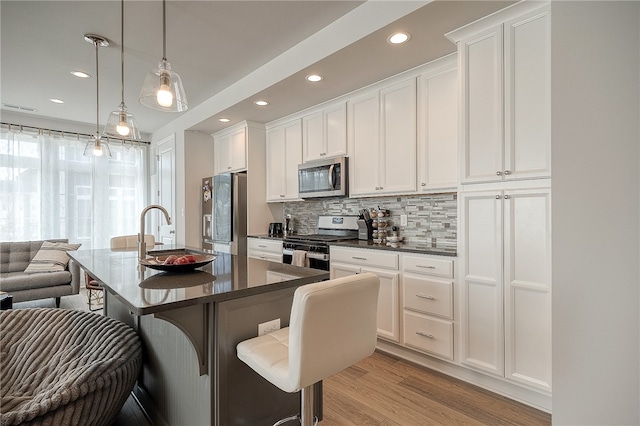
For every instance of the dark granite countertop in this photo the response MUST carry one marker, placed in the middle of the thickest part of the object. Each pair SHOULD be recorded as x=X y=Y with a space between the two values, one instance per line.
x=266 y=237
x=405 y=248
x=147 y=291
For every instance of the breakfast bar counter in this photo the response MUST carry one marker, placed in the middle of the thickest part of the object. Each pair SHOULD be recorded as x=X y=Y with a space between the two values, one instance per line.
x=190 y=324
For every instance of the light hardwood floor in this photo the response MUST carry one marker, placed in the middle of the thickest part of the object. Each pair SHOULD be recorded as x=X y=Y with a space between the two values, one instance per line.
x=381 y=390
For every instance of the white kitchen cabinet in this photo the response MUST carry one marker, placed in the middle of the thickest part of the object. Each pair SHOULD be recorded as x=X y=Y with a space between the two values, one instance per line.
x=348 y=261
x=428 y=304
x=324 y=133
x=265 y=249
x=505 y=86
x=438 y=130
x=230 y=150
x=284 y=153
x=506 y=283
x=381 y=136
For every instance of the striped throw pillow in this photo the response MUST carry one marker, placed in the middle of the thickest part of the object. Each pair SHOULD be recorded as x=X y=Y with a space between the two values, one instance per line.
x=52 y=257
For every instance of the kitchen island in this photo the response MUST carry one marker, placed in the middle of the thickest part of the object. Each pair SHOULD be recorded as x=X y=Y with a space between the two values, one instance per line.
x=190 y=324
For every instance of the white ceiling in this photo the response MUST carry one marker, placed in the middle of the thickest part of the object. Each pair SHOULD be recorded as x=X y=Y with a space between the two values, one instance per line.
x=212 y=45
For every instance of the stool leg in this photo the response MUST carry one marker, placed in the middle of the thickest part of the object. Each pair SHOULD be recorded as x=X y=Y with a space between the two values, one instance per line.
x=306 y=406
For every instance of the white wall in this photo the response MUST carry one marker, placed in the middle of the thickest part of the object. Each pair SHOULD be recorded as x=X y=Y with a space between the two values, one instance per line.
x=198 y=149
x=596 y=200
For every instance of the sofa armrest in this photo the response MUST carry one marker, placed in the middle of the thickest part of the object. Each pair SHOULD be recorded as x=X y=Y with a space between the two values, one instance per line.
x=76 y=276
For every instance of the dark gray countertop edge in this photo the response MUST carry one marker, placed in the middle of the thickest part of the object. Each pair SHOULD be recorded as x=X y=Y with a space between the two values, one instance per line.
x=221 y=297
x=405 y=248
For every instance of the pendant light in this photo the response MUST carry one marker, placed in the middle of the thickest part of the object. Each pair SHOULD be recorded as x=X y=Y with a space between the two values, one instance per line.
x=96 y=145
x=121 y=123
x=162 y=88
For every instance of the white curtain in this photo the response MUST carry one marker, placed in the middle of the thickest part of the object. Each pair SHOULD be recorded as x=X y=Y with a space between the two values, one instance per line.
x=49 y=189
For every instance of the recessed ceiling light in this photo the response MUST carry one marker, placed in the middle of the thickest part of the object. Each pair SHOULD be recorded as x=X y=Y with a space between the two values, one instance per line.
x=314 y=78
x=261 y=103
x=56 y=101
x=398 y=38
x=80 y=74
x=223 y=120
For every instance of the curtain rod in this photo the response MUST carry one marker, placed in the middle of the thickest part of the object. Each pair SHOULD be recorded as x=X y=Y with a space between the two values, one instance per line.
x=42 y=130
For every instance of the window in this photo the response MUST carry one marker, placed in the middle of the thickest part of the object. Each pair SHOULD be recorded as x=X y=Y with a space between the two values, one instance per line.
x=49 y=189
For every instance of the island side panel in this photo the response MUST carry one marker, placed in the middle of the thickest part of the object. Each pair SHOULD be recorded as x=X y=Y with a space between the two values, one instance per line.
x=170 y=387
x=243 y=396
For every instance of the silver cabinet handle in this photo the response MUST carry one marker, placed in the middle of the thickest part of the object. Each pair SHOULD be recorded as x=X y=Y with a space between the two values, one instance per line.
x=172 y=232
x=426 y=266
x=358 y=258
x=228 y=167
x=498 y=197
x=507 y=172
x=420 y=333
x=423 y=184
x=499 y=173
x=424 y=296
x=282 y=195
x=261 y=246
x=506 y=197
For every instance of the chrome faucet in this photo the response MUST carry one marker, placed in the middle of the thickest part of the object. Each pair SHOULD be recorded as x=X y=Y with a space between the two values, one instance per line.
x=142 y=246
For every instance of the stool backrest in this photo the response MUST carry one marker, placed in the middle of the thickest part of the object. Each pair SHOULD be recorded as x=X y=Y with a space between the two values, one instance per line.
x=332 y=326
x=127 y=242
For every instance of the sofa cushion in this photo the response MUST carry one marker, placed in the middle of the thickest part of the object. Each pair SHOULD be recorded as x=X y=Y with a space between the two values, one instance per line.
x=14 y=281
x=16 y=255
x=52 y=257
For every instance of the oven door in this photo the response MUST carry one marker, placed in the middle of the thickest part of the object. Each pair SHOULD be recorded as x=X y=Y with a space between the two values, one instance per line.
x=316 y=260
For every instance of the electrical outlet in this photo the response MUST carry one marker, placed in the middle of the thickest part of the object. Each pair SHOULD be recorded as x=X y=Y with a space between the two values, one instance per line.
x=268 y=327
x=403 y=220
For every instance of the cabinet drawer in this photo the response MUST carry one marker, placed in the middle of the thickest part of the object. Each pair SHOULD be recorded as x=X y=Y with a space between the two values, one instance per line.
x=428 y=265
x=373 y=258
x=428 y=295
x=428 y=334
x=260 y=244
x=271 y=257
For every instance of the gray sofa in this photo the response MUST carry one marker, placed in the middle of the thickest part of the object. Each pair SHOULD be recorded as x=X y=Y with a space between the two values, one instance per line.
x=14 y=259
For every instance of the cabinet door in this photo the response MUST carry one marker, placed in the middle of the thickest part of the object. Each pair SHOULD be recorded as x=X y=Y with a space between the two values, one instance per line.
x=276 y=166
x=481 y=70
x=238 y=150
x=438 y=131
x=388 y=304
x=221 y=154
x=313 y=137
x=363 y=137
x=527 y=277
x=528 y=96
x=397 y=150
x=293 y=157
x=339 y=270
x=335 y=130
x=482 y=324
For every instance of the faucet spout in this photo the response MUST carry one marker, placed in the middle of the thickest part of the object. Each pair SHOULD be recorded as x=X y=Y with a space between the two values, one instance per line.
x=142 y=246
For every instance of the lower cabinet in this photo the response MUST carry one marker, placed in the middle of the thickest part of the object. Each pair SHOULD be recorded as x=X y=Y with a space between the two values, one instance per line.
x=347 y=261
x=261 y=248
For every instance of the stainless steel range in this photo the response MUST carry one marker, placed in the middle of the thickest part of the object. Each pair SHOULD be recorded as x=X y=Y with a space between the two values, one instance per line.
x=314 y=248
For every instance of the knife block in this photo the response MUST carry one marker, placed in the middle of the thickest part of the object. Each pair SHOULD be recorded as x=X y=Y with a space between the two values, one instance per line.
x=365 y=229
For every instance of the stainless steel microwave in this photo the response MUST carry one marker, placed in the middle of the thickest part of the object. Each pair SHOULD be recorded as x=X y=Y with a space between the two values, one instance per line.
x=324 y=178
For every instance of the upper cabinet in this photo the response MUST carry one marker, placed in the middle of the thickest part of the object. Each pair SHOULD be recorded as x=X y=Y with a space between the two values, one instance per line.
x=505 y=86
x=324 y=133
x=284 y=153
x=230 y=150
x=381 y=135
x=438 y=128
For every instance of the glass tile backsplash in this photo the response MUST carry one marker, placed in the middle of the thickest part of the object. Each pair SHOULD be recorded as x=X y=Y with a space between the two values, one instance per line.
x=432 y=220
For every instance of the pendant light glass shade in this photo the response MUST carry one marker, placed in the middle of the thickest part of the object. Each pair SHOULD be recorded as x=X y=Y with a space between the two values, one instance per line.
x=96 y=146
x=120 y=123
x=162 y=88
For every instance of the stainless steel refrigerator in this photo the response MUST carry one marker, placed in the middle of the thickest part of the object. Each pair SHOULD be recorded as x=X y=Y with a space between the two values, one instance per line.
x=230 y=213
x=206 y=208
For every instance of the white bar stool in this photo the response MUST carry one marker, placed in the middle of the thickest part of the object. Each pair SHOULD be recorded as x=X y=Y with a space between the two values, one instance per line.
x=332 y=326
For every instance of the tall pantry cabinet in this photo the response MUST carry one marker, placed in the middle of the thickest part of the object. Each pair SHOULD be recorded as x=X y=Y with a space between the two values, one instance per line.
x=505 y=195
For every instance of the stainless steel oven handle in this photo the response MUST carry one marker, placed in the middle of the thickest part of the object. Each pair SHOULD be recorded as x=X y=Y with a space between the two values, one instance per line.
x=310 y=255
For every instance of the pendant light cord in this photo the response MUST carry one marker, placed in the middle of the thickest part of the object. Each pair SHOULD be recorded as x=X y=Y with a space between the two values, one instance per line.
x=122 y=48
x=96 y=43
x=164 y=30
